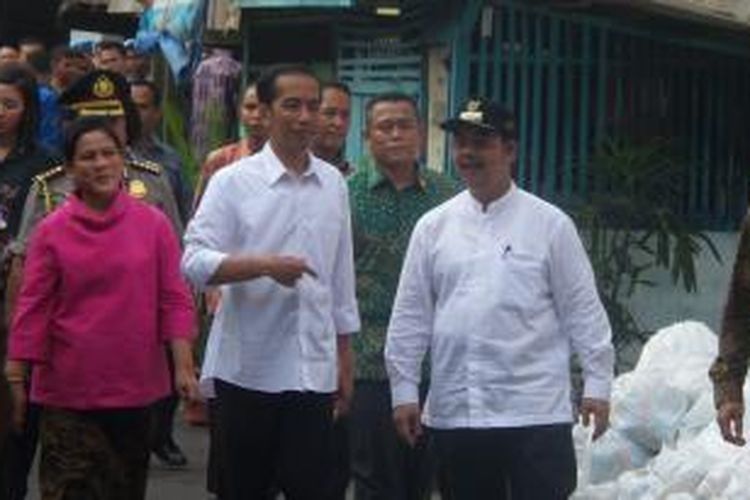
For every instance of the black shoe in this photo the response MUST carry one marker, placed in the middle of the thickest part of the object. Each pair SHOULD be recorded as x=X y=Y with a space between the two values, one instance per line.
x=170 y=455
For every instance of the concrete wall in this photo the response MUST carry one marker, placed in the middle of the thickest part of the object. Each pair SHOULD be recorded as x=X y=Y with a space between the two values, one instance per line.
x=665 y=304
x=437 y=111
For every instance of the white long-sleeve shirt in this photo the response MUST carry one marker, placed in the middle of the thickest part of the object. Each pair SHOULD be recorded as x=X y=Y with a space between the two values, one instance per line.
x=499 y=298
x=265 y=336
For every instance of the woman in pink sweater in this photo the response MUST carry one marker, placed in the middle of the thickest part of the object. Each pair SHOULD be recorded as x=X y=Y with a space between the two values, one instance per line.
x=102 y=294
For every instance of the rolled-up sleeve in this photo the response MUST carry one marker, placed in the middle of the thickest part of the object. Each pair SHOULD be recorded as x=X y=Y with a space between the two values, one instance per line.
x=345 y=312
x=30 y=327
x=410 y=327
x=176 y=312
x=209 y=234
x=580 y=311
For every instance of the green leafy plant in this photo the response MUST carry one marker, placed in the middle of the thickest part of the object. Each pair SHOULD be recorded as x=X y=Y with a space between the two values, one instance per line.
x=633 y=223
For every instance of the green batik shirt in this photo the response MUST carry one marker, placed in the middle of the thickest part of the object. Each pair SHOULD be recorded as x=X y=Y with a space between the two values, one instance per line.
x=382 y=222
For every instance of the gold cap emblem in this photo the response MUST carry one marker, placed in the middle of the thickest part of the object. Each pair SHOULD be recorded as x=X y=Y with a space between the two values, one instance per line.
x=472 y=113
x=137 y=189
x=104 y=88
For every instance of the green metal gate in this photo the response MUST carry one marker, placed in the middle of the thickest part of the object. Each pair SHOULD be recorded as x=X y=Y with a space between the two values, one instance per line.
x=575 y=80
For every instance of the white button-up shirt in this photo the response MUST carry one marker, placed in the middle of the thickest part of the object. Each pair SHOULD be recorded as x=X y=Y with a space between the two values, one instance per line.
x=499 y=297
x=265 y=336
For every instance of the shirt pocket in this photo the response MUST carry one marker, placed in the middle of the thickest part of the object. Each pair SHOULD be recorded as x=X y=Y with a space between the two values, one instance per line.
x=520 y=280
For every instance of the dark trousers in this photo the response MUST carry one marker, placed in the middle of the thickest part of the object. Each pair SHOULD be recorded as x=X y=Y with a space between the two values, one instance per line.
x=523 y=463
x=269 y=439
x=383 y=466
x=164 y=411
x=214 y=469
x=340 y=459
x=163 y=421
x=17 y=457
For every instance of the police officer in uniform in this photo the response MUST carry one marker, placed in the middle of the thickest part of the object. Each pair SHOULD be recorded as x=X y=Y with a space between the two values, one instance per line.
x=99 y=93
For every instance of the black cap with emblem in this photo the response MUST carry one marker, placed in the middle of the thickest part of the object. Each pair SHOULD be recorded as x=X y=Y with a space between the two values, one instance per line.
x=102 y=93
x=484 y=116
x=98 y=93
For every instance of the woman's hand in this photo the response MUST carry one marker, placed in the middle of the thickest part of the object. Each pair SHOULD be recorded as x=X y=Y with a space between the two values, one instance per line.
x=186 y=385
x=185 y=381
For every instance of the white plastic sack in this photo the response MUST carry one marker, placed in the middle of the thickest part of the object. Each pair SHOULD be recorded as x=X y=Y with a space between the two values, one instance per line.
x=697 y=464
x=650 y=403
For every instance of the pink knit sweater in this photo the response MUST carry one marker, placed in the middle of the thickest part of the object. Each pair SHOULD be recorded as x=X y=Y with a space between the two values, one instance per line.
x=101 y=295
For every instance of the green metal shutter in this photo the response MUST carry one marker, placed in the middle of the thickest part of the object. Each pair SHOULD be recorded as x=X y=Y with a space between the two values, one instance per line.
x=575 y=80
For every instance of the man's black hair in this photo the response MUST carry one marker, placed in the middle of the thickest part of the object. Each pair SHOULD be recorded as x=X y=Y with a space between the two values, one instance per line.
x=390 y=97
x=266 y=84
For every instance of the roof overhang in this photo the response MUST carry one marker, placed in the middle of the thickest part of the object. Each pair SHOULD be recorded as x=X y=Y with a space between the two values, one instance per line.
x=732 y=12
x=267 y=4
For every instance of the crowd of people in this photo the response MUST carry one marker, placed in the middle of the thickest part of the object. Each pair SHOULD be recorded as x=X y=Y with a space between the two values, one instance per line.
x=370 y=322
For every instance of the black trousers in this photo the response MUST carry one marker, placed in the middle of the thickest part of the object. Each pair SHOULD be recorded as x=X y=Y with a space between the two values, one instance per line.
x=268 y=439
x=340 y=460
x=17 y=456
x=523 y=463
x=164 y=411
x=383 y=466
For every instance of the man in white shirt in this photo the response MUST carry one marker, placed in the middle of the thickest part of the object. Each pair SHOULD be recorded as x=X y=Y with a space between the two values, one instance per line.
x=274 y=231
x=498 y=287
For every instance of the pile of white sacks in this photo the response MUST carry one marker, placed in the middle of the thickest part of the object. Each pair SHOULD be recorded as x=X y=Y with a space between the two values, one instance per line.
x=664 y=442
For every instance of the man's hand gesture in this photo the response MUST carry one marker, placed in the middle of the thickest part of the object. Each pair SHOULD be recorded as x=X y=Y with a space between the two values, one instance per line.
x=286 y=270
x=598 y=411
x=408 y=424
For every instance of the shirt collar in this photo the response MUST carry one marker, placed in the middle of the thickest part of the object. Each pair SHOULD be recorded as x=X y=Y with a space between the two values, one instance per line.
x=376 y=178
x=495 y=206
x=275 y=171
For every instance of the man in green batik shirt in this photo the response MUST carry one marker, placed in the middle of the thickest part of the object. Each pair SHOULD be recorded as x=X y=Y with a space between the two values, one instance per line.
x=387 y=199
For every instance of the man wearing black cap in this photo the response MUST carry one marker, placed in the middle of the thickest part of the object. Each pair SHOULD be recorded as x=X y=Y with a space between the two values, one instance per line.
x=498 y=287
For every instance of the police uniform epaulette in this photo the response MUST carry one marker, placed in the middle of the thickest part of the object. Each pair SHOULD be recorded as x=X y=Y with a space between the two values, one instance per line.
x=146 y=165
x=49 y=174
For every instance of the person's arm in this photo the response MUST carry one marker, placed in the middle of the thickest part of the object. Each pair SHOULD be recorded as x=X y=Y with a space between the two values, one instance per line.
x=408 y=335
x=345 y=310
x=207 y=260
x=183 y=192
x=214 y=161
x=729 y=370
x=345 y=359
x=13 y=287
x=16 y=375
x=177 y=320
x=584 y=321
x=168 y=201
x=29 y=328
x=37 y=204
x=284 y=269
